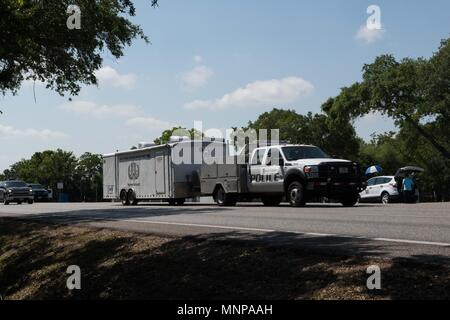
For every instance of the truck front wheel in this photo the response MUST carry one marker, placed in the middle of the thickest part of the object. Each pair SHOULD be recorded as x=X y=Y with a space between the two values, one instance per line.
x=296 y=194
x=350 y=200
x=224 y=199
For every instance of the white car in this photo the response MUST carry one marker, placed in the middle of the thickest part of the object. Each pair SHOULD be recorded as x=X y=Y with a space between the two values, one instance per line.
x=380 y=189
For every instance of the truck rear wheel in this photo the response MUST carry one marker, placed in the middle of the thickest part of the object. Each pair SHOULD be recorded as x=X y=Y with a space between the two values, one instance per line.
x=271 y=201
x=224 y=199
x=124 y=198
x=296 y=194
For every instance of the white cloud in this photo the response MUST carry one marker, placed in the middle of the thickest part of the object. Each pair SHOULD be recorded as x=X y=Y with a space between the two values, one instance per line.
x=149 y=123
x=258 y=93
x=369 y=35
x=45 y=134
x=198 y=59
x=196 y=78
x=93 y=109
x=109 y=76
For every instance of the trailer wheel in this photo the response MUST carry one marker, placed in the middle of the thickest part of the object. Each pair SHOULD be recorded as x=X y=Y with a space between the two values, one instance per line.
x=124 y=198
x=132 y=198
x=224 y=199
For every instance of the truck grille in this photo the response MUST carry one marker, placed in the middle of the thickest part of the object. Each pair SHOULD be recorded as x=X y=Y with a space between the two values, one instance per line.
x=339 y=171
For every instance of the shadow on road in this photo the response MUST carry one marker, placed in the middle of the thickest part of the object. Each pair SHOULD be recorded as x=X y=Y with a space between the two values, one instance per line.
x=91 y=215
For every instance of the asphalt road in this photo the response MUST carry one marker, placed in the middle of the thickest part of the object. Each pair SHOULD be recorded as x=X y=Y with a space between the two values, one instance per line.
x=397 y=230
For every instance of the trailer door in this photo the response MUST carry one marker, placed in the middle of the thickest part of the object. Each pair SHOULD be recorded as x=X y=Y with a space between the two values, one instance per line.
x=109 y=177
x=160 y=174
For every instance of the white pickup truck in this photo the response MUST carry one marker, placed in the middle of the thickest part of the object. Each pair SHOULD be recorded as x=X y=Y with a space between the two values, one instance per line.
x=296 y=173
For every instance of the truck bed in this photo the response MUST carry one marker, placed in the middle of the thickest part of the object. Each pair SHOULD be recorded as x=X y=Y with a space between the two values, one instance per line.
x=231 y=176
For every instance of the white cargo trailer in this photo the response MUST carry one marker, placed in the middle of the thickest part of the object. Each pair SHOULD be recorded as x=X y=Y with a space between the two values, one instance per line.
x=154 y=173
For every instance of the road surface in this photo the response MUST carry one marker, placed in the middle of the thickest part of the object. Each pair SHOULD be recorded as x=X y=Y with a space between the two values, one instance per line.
x=395 y=230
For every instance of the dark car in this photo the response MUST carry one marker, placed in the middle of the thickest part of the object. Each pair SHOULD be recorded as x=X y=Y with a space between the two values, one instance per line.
x=39 y=192
x=15 y=191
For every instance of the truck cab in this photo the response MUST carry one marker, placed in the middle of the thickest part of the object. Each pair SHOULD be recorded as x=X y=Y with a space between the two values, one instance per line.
x=302 y=172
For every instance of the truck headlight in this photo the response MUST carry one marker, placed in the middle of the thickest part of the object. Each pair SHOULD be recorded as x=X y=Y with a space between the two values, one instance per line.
x=311 y=169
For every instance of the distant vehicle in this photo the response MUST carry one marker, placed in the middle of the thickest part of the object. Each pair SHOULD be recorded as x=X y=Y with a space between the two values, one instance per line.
x=15 y=191
x=382 y=189
x=39 y=192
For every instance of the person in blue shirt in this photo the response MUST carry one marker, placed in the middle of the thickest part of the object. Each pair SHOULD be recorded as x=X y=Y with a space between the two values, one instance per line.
x=408 y=188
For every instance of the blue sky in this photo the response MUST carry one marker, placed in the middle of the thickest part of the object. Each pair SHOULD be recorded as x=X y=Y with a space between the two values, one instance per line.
x=222 y=62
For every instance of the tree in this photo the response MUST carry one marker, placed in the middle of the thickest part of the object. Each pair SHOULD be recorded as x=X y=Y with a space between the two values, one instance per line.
x=50 y=167
x=317 y=129
x=413 y=92
x=385 y=150
x=90 y=174
x=178 y=131
x=35 y=42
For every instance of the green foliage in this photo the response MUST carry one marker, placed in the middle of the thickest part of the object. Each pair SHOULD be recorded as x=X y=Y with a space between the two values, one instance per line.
x=35 y=42
x=178 y=131
x=385 y=150
x=90 y=174
x=408 y=147
x=82 y=177
x=413 y=92
x=339 y=140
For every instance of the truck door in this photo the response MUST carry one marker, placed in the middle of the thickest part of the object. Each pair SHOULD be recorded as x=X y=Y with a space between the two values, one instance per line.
x=160 y=181
x=256 y=165
x=273 y=171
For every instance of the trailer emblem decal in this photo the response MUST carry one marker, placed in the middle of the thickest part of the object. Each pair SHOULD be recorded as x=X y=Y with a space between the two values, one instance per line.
x=133 y=171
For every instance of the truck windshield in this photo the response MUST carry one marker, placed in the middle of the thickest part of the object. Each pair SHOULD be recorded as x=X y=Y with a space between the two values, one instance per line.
x=303 y=152
x=15 y=184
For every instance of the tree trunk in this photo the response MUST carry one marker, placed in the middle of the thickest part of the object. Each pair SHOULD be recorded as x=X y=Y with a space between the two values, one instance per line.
x=429 y=137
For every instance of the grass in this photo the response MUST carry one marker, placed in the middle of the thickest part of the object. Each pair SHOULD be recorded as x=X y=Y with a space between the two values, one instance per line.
x=124 y=265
